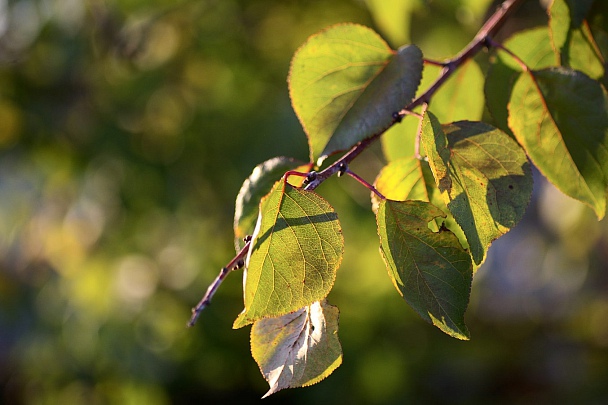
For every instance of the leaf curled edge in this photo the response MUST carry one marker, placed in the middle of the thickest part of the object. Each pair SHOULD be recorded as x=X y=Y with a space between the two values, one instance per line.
x=297 y=349
x=345 y=83
x=257 y=185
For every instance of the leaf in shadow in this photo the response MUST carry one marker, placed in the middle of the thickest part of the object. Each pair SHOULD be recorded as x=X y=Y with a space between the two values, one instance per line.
x=430 y=269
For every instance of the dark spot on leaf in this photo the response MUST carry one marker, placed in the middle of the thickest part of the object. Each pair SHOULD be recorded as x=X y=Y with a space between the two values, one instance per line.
x=511 y=186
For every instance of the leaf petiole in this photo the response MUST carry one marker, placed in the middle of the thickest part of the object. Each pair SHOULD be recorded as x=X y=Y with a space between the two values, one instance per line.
x=310 y=176
x=500 y=46
x=343 y=169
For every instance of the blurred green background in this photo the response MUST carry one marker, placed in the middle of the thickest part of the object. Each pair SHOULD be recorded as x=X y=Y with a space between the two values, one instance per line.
x=126 y=130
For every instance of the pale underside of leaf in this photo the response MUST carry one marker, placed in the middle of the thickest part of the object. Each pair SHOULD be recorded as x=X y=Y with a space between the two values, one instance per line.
x=256 y=186
x=372 y=111
x=297 y=349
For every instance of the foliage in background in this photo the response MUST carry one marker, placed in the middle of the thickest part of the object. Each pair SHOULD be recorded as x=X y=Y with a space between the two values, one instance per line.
x=126 y=130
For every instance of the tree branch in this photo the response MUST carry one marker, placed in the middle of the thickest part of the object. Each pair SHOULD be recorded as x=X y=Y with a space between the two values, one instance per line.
x=236 y=263
x=481 y=40
x=489 y=29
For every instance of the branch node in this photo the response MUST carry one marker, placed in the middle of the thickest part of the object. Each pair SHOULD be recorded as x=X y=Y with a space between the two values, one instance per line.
x=397 y=116
x=343 y=168
x=310 y=177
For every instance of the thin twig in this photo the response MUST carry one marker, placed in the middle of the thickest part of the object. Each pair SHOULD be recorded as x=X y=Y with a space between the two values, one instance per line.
x=517 y=59
x=235 y=263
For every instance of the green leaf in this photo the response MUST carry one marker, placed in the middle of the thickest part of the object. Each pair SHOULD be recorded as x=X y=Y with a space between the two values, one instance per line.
x=296 y=249
x=584 y=54
x=256 y=186
x=430 y=269
x=559 y=24
x=534 y=48
x=484 y=177
x=577 y=10
x=345 y=83
x=412 y=179
x=297 y=349
x=572 y=39
x=560 y=117
x=406 y=179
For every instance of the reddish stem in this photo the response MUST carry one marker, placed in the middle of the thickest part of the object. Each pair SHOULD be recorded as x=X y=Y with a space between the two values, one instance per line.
x=365 y=183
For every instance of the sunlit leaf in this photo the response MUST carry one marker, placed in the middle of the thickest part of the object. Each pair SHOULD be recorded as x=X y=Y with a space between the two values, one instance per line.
x=430 y=269
x=574 y=10
x=572 y=39
x=560 y=116
x=296 y=249
x=345 y=83
x=584 y=54
x=412 y=179
x=534 y=48
x=483 y=175
x=256 y=186
x=297 y=349
x=406 y=179
x=559 y=24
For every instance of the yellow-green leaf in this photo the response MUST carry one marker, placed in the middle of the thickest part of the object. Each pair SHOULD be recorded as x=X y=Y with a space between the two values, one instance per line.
x=560 y=117
x=460 y=97
x=345 y=83
x=296 y=249
x=572 y=39
x=412 y=179
x=531 y=46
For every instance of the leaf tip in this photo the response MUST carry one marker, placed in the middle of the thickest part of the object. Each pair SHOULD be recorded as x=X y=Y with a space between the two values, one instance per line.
x=241 y=320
